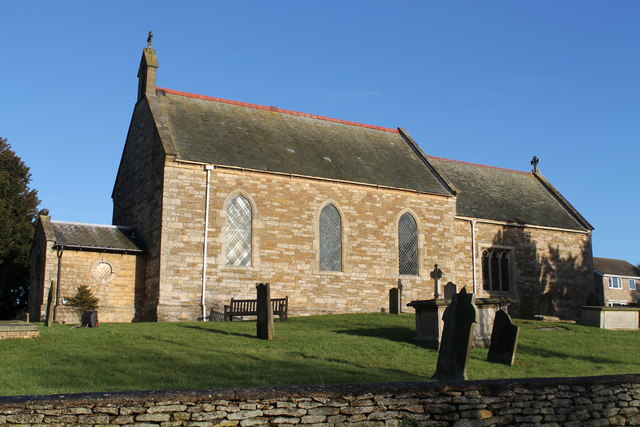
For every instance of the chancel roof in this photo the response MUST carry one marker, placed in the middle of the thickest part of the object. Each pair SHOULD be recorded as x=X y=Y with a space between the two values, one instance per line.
x=507 y=195
x=212 y=130
x=94 y=237
x=615 y=267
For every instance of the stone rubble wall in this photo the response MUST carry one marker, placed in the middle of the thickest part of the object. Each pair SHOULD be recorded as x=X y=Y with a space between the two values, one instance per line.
x=605 y=400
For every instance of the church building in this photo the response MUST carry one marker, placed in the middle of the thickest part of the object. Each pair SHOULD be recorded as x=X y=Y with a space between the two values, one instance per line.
x=213 y=196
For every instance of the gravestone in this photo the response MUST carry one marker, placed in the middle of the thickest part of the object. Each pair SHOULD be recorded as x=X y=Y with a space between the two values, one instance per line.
x=394 y=301
x=50 y=304
x=504 y=340
x=450 y=290
x=264 y=311
x=457 y=337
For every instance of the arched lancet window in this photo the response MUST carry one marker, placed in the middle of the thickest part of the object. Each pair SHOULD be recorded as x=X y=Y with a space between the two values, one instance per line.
x=239 y=218
x=496 y=270
x=408 y=245
x=330 y=239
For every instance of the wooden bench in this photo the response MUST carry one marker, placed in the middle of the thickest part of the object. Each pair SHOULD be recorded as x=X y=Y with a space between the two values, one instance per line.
x=249 y=307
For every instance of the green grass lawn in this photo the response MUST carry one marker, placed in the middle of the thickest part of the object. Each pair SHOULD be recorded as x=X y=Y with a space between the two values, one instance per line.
x=351 y=348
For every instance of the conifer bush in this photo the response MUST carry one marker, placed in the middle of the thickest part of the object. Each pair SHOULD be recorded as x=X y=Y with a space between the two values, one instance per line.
x=83 y=300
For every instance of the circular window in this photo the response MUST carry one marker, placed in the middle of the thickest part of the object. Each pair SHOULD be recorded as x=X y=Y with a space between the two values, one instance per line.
x=102 y=271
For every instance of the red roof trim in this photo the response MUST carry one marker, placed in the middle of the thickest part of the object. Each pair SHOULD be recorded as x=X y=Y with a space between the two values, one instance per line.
x=275 y=109
x=484 y=166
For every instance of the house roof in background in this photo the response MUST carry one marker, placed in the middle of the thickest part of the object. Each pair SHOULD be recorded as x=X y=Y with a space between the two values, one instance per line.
x=615 y=267
x=94 y=237
x=499 y=194
x=217 y=131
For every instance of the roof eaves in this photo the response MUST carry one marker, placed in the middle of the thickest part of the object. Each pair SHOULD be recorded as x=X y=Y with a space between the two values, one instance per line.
x=98 y=248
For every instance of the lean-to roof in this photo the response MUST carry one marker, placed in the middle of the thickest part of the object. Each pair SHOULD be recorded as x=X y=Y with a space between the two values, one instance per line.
x=94 y=237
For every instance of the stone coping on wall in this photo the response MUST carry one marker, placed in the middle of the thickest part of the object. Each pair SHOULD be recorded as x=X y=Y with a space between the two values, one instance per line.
x=275 y=392
x=18 y=329
x=614 y=308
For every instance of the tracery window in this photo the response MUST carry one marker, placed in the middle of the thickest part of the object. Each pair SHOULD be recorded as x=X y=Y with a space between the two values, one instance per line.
x=496 y=270
x=408 y=245
x=330 y=239
x=239 y=219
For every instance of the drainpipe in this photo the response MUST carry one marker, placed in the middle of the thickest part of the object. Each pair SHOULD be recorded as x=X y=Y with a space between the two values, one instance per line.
x=208 y=168
x=473 y=253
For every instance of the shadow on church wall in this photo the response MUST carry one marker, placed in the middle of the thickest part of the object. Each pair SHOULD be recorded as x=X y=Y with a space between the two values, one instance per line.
x=553 y=271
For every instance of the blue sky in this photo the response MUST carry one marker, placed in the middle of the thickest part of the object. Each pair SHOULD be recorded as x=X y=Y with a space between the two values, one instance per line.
x=491 y=82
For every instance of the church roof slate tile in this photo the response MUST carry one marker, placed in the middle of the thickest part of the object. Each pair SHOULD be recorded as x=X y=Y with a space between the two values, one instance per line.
x=211 y=130
x=487 y=192
x=94 y=236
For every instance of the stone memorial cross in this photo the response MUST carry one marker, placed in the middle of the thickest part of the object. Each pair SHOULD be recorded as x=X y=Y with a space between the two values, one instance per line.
x=436 y=274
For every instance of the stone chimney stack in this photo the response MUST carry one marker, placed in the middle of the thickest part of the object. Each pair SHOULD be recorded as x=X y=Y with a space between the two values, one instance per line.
x=147 y=71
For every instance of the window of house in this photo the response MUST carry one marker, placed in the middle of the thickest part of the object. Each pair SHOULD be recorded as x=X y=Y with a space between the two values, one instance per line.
x=615 y=282
x=632 y=284
x=496 y=270
x=239 y=218
x=330 y=239
x=408 y=245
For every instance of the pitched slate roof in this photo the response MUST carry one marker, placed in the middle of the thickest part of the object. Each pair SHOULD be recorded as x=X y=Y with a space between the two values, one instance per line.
x=615 y=267
x=94 y=237
x=213 y=130
x=507 y=195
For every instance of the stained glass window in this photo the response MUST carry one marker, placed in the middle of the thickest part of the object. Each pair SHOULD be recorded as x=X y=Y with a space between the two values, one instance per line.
x=330 y=239
x=239 y=232
x=408 y=244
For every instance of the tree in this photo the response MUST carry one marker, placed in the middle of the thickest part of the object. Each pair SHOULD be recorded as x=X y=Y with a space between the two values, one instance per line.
x=18 y=217
x=83 y=300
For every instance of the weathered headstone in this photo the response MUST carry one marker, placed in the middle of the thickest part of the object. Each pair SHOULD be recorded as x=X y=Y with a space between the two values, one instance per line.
x=50 y=304
x=436 y=275
x=457 y=337
x=394 y=301
x=265 y=311
x=450 y=290
x=504 y=340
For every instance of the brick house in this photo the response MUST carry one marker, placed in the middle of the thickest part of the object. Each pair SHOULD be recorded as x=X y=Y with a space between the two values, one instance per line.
x=616 y=282
x=223 y=194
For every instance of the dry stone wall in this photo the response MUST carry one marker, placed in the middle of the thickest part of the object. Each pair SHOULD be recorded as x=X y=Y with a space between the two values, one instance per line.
x=602 y=401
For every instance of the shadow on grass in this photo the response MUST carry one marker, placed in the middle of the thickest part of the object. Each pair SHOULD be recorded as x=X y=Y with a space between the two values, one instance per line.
x=544 y=352
x=398 y=334
x=215 y=331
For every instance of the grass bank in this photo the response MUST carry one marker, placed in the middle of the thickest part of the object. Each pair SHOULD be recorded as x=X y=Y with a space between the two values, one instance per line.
x=353 y=348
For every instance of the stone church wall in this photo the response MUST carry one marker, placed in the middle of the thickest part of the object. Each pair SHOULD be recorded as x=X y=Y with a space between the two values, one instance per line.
x=44 y=267
x=551 y=269
x=116 y=291
x=137 y=196
x=285 y=242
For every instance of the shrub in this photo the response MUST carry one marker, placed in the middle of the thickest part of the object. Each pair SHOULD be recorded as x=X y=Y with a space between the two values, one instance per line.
x=83 y=300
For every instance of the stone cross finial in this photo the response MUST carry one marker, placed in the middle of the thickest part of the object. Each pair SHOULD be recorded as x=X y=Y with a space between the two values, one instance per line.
x=436 y=274
x=535 y=162
x=150 y=38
